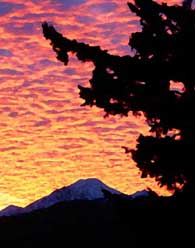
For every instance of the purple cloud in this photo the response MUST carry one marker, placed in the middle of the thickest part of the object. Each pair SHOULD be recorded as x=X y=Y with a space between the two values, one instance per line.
x=70 y=71
x=60 y=118
x=67 y=4
x=55 y=102
x=44 y=122
x=6 y=7
x=42 y=90
x=103 y=7
x=6 y=109
x=110 y=25
x=34 y=16
x=10 y=72
x=5 y=52
x=85 y=19
x=47 y=62
x=13 y=114
x=72 y=27
x=26 y=28
x=54 y=112
x=117 y=39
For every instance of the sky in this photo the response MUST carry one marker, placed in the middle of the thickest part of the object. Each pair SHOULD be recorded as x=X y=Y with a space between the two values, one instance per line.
x=47 y=140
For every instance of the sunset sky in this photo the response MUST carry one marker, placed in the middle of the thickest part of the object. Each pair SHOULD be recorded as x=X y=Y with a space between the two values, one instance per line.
x=47 y=140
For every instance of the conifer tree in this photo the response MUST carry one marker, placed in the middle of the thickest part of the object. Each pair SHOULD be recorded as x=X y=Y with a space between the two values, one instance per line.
x=147 y=82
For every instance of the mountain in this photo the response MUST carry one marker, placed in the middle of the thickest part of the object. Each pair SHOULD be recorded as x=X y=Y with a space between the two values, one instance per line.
x=137 y=222
x=89 y=223
x=142 y=193
x=83 y=189
x=75 y=213
x=11 y=210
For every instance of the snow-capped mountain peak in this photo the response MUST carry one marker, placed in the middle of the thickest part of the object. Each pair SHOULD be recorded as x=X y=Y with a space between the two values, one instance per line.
x=83 y=189
x=89 y=189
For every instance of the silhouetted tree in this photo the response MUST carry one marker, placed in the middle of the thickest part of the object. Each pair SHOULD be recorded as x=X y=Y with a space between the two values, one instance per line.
x=164 y=55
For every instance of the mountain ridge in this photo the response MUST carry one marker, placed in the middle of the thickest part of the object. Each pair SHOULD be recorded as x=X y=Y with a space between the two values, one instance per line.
x=83 y=189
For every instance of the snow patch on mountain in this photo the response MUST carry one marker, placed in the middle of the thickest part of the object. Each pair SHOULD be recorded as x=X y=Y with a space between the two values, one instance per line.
x=83 y=189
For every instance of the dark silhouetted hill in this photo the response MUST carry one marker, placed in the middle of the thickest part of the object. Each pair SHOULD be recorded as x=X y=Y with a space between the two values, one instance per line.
x=135 y=222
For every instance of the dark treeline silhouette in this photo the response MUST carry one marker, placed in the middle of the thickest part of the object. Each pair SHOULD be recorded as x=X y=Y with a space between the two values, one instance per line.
x=147 y=82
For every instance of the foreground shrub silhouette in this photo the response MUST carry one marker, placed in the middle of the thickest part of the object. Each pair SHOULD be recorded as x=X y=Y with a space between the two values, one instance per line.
x=148 y=82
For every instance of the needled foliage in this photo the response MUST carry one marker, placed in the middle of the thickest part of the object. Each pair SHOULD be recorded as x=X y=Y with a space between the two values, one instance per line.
x=147 y=82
